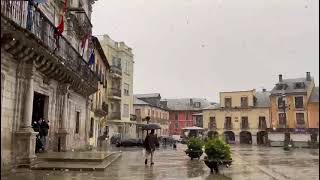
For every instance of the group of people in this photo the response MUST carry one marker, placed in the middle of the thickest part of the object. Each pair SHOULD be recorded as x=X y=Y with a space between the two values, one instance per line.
x=42 y=127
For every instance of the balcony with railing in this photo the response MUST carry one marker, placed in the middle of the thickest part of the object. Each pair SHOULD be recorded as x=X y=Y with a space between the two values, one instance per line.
x=116 y=71
x=282 y=126
x=80 y=20
x=115 y=116
x=228 y=126
x=301 y=125
x=244 y=125
x=36 y=41
x=262 y=125
x=102 y=110
x=114 y=93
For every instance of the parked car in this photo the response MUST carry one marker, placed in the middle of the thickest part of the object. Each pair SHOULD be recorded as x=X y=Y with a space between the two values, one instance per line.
x=116 y=138
x=130 y=143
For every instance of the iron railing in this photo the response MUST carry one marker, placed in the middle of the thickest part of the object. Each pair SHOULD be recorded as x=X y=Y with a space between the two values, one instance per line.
x=116 y=69
x=244 y=125
x=262 y=125
x=228 y=126
x=44 y=30
x=115 y=116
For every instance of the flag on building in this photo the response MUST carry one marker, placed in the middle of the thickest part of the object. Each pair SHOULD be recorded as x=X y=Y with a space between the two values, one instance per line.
x=29 y=16
x=91 y=58
x=60 y=27
x=83 y=42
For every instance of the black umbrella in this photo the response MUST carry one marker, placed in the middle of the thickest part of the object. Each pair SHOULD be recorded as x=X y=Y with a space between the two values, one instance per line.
x=150 y=126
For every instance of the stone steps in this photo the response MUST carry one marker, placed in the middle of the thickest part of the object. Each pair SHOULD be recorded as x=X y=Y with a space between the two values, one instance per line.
x=80 y=164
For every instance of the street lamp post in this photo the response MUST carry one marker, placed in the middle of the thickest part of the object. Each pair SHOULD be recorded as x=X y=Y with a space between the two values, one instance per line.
x=284 y=107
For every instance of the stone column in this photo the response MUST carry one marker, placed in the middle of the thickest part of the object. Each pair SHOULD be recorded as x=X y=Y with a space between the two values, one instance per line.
x=25 y=136
x=63 y=132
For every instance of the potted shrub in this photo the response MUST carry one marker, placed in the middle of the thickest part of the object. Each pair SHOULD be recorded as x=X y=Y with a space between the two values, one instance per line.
x=218 y=153
x=194 y=148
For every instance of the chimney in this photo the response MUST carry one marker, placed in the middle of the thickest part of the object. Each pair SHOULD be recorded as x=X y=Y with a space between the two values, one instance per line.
x=308 y=76
x=280 y=77
x=191 y=102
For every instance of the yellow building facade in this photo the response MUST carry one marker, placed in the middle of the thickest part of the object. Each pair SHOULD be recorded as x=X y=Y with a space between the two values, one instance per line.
x=242 y=116
x=294 y=109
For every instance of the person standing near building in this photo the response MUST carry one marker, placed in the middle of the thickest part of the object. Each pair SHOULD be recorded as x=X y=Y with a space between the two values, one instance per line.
x=44 y=132
x=150 y=144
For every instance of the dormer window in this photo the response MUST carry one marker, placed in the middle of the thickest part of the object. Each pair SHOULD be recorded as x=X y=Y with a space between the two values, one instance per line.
x=197 y=104
x=282 y=86
x=299 y=85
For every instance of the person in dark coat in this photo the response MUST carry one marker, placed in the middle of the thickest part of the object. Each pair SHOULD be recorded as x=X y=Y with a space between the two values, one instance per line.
x=44 y=126
x=150 y=144
x=37 y=128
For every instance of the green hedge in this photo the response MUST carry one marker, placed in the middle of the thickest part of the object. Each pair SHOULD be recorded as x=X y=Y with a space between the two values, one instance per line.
x=217 y=149
x=195 y=144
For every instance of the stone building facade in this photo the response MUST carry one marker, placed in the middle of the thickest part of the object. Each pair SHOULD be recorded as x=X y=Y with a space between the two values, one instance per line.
x=120 y=89
x=43 y=76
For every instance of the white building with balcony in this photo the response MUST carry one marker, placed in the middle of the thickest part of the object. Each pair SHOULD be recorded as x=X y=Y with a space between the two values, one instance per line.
x=120 y=89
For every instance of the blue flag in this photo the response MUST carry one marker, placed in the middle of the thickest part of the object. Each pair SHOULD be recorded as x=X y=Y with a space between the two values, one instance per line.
x=29 y=16
x=91 y=58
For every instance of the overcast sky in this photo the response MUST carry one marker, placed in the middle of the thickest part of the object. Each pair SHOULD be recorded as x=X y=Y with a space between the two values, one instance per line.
x=197 y=48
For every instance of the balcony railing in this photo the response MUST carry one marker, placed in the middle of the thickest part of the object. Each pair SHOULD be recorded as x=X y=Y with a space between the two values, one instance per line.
x=44 y=30
x=115 y=92
x=81 y=20
x=281 y=126
x=116 y=70
x=228 y=126
x=244 y=126
x=262 y=126
x=115 y=116
x=300 y=125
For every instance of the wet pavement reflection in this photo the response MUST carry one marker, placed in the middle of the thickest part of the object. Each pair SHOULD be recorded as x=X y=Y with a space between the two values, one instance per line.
x=250 y=162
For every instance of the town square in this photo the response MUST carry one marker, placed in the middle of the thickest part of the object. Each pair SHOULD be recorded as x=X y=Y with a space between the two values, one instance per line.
x=159 y=89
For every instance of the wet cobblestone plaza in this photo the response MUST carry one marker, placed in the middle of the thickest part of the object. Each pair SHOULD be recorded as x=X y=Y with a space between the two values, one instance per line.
x=250 y=162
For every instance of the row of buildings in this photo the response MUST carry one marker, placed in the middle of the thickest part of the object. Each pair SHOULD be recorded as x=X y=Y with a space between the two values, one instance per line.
x=253 y=117
x=53 y=68
x=246 y=117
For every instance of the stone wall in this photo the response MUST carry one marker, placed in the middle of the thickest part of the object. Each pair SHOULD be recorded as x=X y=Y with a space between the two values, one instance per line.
x=8 y=99
x=12 y=108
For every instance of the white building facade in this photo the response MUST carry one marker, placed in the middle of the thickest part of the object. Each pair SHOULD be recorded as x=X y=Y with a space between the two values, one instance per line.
x=120 y=90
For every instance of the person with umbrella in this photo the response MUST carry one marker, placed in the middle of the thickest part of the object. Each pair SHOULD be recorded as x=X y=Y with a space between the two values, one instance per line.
x=150 y=144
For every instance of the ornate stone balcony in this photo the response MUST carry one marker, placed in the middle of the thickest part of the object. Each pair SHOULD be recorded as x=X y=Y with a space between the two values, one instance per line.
x=54 y=57
x=114 y=93
x=80 y=21
x=101 y=111
x=116 y=71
